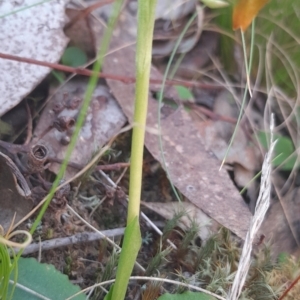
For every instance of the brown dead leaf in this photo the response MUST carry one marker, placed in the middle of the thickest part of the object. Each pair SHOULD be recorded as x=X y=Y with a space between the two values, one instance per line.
x=244 y=157
x=80 y=33
x=104 y=119
x=193 y=170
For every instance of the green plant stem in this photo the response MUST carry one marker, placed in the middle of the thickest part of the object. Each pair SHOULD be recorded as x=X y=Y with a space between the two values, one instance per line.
x=132 y=238
x=146 y=10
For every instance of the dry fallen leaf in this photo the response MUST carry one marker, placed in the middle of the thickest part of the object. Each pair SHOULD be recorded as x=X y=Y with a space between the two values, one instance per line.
x=244 y=156
x=245 y=11
x=169 y=26
x=216 y=135
x=172 y=10
x=79 y=31
x=32 y=32
x=193 y=170
x=104 y=119
x=281 y=225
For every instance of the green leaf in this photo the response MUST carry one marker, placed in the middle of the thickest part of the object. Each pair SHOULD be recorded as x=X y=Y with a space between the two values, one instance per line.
x=186 y=296
x=5 y=270
x=284 y=154
x=43 y=279
x=108 y=296
x=74 y=57
x=184 y=93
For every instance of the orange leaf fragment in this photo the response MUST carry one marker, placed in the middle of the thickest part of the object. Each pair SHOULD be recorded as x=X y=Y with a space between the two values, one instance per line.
x=245 y=11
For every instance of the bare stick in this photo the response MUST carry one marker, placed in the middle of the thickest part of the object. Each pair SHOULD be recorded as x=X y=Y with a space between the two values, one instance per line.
x=82 y=237
x=85 y=72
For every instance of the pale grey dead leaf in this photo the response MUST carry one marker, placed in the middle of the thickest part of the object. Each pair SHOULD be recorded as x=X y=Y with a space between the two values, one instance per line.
x=104 y=119
x=170 y=24
x=198 y=57
x=242 y=151
x=31 y=32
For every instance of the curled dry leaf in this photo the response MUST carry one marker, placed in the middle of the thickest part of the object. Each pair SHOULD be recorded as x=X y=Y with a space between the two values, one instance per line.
x=31 y=31
x=171 y=21
x=104 y=119
x=196 y=59
x=175 y=9
x=12 y=198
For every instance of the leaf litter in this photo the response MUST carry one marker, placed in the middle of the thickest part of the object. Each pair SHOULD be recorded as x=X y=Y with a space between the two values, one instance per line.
x=104 y=120
x=192 y=167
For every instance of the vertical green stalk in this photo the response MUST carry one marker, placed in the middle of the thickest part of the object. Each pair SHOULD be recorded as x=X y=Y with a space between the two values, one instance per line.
x=132 y=237
x=146 y=15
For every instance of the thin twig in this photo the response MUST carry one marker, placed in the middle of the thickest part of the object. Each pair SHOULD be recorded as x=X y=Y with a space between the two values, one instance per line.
x=82 y=237
x=85 y=72
x=116 y=166
x=289 y=288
